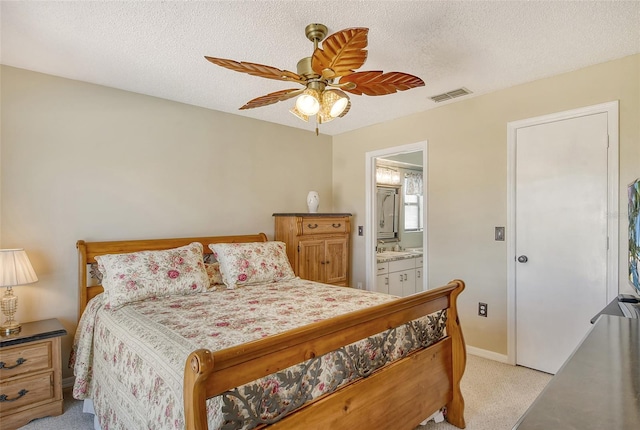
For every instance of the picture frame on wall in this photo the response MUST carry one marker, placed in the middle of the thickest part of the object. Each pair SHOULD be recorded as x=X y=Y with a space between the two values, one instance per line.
x=634 y=234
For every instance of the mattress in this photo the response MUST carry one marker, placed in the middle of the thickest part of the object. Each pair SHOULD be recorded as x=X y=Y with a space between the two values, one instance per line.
x=130 y=361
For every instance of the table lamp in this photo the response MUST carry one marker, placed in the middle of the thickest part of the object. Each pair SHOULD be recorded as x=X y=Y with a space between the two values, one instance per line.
x=15 y=269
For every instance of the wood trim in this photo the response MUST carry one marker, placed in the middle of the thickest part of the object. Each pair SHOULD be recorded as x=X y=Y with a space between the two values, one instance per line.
x=123 y=246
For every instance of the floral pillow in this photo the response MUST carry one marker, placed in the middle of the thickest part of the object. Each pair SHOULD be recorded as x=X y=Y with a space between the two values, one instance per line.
x=215 y=277
x=252 y=263
x=139 y=275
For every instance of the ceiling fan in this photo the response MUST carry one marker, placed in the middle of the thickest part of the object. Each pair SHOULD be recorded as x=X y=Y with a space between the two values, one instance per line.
x=326 y=75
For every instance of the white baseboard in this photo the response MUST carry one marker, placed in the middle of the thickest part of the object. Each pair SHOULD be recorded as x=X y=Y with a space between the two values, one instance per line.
x=487 y=354
x=68 y=382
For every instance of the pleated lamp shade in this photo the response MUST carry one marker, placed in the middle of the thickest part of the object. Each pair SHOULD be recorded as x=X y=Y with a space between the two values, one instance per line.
x=15 y=268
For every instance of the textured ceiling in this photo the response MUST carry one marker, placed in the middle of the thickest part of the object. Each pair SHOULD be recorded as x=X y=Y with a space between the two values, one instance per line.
x=157 y=48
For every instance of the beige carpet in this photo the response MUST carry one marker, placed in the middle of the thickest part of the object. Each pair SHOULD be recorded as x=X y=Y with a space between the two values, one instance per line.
x=496 y=395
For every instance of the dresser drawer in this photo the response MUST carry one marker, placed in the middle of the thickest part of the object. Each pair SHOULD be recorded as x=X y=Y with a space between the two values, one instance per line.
x=323 y=225
x=26 y=391
x=24 y=359
x=382 y=268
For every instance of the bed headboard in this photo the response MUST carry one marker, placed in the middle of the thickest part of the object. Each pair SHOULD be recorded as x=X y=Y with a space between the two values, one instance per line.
x=87 y=252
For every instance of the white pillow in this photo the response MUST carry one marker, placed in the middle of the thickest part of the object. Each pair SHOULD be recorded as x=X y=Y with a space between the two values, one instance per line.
x=252 y=263
x=140 y=275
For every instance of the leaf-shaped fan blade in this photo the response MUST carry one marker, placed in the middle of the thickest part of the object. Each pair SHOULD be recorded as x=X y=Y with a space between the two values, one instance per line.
x=257 y=70
x=272 y=98
x=379 y=84
x=342 y=53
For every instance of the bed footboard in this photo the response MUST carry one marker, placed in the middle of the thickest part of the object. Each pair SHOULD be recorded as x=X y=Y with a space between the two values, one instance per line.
x=399 y=395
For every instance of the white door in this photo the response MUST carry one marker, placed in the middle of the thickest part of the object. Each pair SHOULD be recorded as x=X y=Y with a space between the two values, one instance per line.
x=561 y=236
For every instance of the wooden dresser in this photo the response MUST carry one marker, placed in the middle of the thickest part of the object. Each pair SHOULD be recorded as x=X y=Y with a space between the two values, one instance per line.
x=317 y=245
x=31 y=373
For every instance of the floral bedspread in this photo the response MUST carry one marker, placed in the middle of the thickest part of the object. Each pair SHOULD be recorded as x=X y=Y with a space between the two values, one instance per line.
x=130 y=361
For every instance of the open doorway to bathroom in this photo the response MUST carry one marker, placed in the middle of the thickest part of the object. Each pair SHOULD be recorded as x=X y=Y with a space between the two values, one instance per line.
x=396 y=219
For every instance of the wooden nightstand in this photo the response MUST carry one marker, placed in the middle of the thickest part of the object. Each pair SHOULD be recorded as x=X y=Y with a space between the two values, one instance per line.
x=31 y=373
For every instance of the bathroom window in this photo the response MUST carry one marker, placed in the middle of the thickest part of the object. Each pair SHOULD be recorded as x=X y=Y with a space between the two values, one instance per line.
x=413 y=202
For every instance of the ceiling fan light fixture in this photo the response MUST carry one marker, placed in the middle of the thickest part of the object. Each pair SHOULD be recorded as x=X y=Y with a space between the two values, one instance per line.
x=334 y=102
x=324 y=117
x=331 y=65
x=308 y=102
x=299 y=114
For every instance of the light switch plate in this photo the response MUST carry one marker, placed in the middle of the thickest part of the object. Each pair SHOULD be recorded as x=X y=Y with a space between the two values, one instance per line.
x=500 y=233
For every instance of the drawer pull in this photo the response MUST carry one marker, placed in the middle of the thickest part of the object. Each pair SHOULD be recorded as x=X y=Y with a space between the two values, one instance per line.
x=312 y=226
x=3 y=397
x=336 y=225
x=19 y=361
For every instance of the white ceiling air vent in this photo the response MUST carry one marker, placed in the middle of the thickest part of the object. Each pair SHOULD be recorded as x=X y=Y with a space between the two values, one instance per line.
x=450 y=95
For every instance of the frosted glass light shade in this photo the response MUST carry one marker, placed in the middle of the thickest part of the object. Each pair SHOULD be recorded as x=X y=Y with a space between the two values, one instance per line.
x=387 y=176
x=15 y=268
x=335 y=102
x=308 y=102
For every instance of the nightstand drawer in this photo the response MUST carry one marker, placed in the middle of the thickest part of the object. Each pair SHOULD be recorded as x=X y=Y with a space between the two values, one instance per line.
x=24 y=359
x=323 y=225
x=26 y=391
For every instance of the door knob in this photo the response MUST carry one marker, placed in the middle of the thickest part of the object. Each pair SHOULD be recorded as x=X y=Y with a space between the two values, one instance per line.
x=523 y=259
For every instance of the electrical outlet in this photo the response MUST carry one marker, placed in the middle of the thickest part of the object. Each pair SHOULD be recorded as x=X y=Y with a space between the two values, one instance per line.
x=483 y=309
x=359 y=285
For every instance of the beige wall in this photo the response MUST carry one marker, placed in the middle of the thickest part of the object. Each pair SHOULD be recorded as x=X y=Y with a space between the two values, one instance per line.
x=467 y=179
x=81 y=161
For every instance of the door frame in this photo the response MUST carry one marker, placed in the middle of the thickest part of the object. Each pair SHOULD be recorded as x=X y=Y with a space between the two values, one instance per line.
x=370 y=203
x=611 y=108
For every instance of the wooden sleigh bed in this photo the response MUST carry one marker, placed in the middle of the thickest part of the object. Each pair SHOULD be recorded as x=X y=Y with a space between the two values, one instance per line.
x=398 y=396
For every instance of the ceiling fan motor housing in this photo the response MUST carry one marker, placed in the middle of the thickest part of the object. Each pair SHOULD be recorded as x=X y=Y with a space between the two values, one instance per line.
x=304 y=68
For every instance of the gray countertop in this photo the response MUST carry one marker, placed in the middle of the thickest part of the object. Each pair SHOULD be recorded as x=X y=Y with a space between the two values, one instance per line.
x=598 y=387
x=383 y=257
